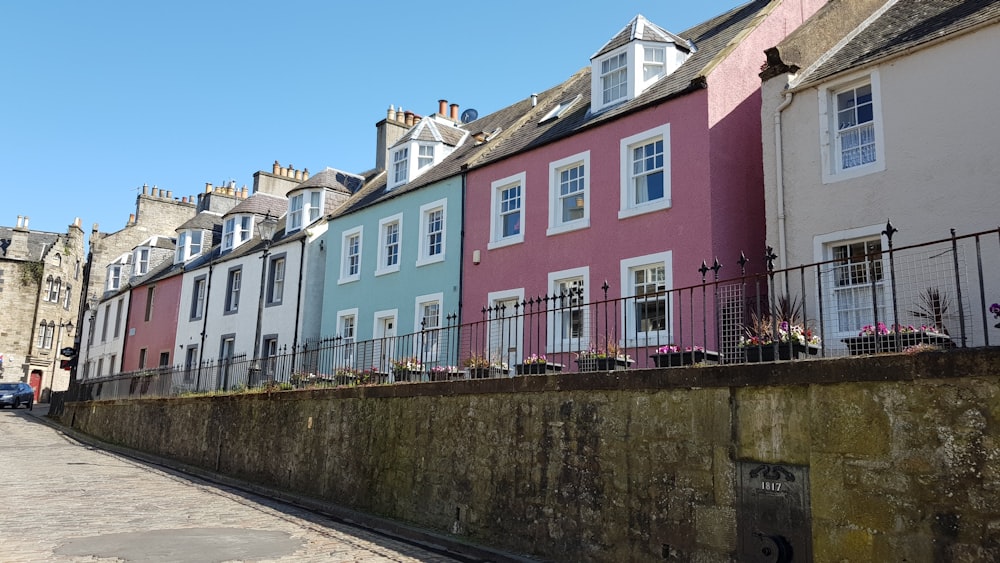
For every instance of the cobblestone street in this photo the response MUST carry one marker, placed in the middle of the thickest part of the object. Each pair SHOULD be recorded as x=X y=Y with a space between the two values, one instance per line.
x=67 y=501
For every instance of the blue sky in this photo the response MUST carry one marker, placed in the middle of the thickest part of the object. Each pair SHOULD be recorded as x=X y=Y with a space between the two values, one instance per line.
x=101 y=97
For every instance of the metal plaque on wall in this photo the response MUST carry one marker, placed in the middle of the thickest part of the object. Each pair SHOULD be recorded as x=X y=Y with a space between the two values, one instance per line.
x=774 y=520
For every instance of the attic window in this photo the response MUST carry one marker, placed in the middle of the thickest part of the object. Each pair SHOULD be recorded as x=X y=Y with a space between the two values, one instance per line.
x=559 y=110
x=654 y=62
x=614 y=77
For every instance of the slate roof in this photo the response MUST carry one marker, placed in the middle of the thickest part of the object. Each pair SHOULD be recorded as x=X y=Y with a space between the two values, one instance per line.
x=205 y=220
x=432 y=130
x=904 y=25
x=260 y=203
x=38 y=242
x=333 y=179
x=644 y=30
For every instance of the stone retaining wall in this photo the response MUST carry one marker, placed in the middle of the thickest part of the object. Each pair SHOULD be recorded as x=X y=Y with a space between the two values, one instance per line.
x=901 y=453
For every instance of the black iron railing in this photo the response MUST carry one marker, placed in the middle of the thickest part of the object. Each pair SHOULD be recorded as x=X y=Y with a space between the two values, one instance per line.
x=865 y=300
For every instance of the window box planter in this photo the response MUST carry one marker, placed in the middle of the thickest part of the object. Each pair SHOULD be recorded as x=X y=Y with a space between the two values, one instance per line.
x=685 y=358
x=538 y=368
x=886 y=343
x=603 y=364
x=786 y=351
x=483 y=373
x=408 y=375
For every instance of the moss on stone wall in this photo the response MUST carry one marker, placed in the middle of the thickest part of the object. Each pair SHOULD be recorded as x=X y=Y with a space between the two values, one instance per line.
x=622 y=467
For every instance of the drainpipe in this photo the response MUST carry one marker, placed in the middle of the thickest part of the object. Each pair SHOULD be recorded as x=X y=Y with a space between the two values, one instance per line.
x=780 y=180
x=204 y=323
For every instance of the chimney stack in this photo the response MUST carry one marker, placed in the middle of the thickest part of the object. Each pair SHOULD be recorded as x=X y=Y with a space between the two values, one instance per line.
x=18 y=247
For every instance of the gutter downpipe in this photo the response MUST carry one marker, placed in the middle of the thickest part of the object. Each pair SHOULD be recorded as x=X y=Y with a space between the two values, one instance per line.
x=298 y=298
x=204 y=323
x=780 y=179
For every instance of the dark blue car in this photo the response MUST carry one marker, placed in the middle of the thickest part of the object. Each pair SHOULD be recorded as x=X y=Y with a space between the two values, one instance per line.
x=16 y=394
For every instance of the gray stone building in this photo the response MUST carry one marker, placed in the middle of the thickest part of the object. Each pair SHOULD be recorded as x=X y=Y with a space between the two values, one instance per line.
x=41 y=281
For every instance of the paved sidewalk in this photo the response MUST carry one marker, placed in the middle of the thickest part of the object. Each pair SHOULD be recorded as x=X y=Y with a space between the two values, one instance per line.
x=77 y=501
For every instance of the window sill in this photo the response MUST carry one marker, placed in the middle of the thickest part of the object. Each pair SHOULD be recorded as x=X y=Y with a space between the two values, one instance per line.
x=430 y=260
x=494 y=244
x=378 y=273
x=351 y=279
x=650 y=207
x=568 y=227
x=855 y=172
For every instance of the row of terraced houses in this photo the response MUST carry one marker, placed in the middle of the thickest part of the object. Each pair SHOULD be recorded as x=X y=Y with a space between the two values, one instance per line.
x=598 y=214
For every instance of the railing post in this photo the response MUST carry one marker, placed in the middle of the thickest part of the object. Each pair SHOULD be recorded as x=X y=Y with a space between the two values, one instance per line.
x=888 y=232
x=958 y=285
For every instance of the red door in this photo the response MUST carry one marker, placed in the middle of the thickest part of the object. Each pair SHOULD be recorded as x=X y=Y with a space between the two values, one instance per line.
x=35 y=380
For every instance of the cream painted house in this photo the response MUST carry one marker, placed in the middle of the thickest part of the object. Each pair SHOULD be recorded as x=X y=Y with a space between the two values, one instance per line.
x=877 y=111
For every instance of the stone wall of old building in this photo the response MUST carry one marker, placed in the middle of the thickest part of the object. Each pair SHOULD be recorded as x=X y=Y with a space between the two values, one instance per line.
x=891 y=458
x=41 y=280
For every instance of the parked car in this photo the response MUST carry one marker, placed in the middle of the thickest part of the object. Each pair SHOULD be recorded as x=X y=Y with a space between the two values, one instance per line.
x=16 y=394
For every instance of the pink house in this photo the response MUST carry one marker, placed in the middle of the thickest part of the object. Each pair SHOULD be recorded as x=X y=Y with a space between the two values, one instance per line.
x=631 y=173
x=152 y=320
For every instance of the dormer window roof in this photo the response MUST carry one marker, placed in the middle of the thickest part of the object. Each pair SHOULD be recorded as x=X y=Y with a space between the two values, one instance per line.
x=423 y=146
x=636 y=58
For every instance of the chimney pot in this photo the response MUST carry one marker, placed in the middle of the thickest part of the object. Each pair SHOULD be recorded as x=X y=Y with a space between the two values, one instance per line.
x=534 y=100
x=390 y=114
x=244 y=193
x=170 y=194
x=275 y=168
x=409 y=118
x=283 y=171
x=208 y=187
x=25 y=221
x=20 y=218
x=145 y=189
x=454 y=112
x=443 y=107
x=305 y=174
x=131 y=219
x=298 y=174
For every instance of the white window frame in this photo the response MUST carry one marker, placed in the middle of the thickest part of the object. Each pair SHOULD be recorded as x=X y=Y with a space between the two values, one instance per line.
x=659 y=66
x=234 y=286
x=830 y=152
x=426 y=211
x=187 y=247
x=619 y=76
x=114 y=277
x=497 y=187
x=556 y=223
x=557 y=341
x=424 y=160
x=296 y=212
x=428 y=350
x=347 y=342
x=400 y=166
x=635 y=338
x=629 y=207
x=276 y=272
x=141 y=261
x=345 y=275
x=198 y=288
x=383 y=244
x=823 y=246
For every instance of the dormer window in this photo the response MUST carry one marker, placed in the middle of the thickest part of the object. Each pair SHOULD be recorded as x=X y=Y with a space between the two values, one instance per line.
x=114 y=277
x=426 y=156
x=614 y=78
x=141 y=261
x=304 y=208
x=400 y=165
x=236 y=231
x=616 y=74
x=654 y=63
x=189 y=245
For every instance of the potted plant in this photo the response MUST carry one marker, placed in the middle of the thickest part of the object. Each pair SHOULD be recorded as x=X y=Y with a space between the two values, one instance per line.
x=444 y=373
x=607 y=358
x=671 y=355
x=407 y=369
x=878 y=338
x=479 y=366
x=537 y=364
x=782 y=337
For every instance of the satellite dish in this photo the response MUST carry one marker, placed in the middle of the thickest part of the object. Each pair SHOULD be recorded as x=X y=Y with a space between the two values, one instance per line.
x=469 y=115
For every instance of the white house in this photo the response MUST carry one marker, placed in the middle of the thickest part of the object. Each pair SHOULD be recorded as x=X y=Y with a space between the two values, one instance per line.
x=876 y=111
